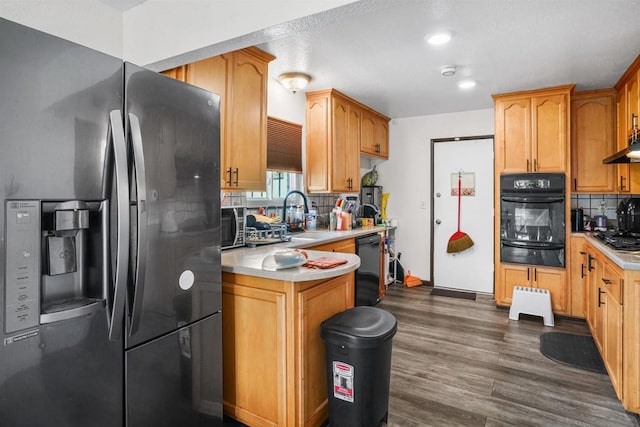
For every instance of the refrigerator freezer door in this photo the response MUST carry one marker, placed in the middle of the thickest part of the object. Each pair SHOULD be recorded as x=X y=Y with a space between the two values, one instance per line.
x=65 y=373
x=175 y=380
x=174 y=132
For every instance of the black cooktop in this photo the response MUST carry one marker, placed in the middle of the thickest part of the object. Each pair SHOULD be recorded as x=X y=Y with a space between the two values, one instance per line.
x=621 y=241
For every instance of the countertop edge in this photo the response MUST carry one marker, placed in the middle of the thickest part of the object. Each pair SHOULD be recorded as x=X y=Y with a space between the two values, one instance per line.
x=250 y=264
x=624 y=260
x=248 y=261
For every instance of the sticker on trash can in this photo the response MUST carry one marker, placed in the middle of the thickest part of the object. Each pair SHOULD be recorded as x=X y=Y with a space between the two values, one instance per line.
x=343 y=381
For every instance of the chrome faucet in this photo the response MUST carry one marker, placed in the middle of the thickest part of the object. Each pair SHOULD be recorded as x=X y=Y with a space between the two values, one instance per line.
x=284 y=203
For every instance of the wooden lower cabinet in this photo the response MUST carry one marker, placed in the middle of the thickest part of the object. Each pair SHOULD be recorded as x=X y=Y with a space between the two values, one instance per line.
x=612 y=309
x=274 y=358
x=347 y=246
x=578 y=268
x=631 y=342
x=551 y=279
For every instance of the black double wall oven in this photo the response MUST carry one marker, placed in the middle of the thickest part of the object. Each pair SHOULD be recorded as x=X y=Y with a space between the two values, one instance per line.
x=532 y=219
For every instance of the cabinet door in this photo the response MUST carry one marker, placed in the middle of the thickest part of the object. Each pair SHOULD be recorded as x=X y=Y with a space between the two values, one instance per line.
x=623 y=170
x=510 y=277
x=578 y=264
x=340 y=146
x=317 y=304
x=346 y=246
x=211 y=74
x=317 y=144
x=367 y=139
x=375 y=135
x=613 y=341
x=254 y=355
x=591 y=299
x=549 y=133
x=247 y=131
x=353 y=148
x=633 y=107
x=513 y=135
x=592 y=139
x=552 y=280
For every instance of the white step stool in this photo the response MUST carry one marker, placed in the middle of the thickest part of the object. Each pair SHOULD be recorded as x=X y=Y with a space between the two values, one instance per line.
x=534 y=301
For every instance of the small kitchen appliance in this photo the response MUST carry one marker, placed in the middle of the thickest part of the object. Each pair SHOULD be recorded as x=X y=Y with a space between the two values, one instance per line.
x=371 y=195
x=628 y=214
x=577 y=220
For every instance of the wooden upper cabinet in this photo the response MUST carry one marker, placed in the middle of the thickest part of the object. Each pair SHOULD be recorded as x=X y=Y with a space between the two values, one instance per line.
x=532 y=130
x=333 y=142
x=549 y=132
x=240 y=78
x=318 y=140
x=246 y=139
x=513 y=134
x=628 y=92
x=623 y=170
x=375 y=135
x=593 y=139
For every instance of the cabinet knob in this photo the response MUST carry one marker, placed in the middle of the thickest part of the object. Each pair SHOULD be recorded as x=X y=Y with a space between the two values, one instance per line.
x=438 y=222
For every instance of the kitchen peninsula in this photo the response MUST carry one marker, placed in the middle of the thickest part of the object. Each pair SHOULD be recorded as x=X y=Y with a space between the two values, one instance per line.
x=274 y=359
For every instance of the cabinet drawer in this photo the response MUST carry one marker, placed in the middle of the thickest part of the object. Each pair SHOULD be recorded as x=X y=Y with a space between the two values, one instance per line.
x=613 y=282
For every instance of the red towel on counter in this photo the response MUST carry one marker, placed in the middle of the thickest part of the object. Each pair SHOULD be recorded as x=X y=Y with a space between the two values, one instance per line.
x=325 y=262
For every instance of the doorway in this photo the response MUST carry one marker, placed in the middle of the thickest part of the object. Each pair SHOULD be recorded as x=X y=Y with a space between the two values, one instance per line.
x=471 y=158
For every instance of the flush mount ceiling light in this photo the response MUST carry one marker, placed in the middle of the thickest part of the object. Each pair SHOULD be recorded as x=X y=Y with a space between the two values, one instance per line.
x=467 y=84
x=440 y=38
x=294 y=81
x=448 y=70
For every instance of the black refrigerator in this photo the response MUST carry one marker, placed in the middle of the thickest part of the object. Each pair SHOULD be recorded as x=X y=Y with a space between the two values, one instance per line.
x=109 y=240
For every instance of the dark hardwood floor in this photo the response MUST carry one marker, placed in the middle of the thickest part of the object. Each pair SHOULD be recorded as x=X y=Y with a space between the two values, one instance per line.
x=458 y=362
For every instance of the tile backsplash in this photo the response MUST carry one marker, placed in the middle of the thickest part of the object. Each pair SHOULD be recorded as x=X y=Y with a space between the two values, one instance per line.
x=598 y=204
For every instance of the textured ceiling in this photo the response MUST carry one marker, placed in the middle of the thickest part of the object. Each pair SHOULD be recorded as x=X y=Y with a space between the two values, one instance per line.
x=122 y=4
x=374 y=50
x=377 y=53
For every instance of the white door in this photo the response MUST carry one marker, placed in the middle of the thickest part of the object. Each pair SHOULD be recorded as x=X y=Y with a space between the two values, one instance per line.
x=471 y=269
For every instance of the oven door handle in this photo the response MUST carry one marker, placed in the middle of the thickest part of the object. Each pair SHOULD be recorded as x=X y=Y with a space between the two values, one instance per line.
x=533 y=199
x=529 y=245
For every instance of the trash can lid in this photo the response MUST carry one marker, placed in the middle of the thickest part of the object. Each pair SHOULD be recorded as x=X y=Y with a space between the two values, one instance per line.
x=361 y=326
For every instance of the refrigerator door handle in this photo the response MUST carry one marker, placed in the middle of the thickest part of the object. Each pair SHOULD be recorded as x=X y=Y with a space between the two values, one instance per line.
x=122 y=212
x=141 y=246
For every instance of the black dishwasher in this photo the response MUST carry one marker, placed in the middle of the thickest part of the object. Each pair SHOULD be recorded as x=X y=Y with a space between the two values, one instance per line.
x=368 y=275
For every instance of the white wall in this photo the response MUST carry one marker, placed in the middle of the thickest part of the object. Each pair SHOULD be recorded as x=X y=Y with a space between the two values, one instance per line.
x=86 y=22
x=407 y=177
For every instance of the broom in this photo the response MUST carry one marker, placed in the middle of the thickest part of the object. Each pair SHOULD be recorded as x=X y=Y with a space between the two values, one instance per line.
x=459 y=241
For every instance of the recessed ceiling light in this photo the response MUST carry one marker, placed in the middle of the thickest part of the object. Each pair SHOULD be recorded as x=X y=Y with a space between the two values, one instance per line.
x=440 y=38
x=466 y=84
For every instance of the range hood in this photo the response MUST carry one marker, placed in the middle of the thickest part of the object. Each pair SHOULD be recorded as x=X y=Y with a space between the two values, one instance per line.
x=630 y=154
x=622 y=155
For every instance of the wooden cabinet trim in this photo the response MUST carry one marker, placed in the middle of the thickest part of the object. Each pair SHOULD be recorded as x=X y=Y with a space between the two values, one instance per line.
x=628 y=74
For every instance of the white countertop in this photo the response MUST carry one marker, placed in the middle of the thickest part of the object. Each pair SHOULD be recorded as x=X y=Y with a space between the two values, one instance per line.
x=248 y=261
x=628 y=260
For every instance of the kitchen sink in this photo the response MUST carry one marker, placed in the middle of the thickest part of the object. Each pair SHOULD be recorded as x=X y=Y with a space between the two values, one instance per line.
x=310 y=236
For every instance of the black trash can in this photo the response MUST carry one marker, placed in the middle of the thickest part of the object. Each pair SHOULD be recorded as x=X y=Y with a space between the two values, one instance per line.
x=358 y=346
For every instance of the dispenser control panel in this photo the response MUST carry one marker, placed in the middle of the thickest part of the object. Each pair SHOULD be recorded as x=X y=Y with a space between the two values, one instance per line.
x=22 y=274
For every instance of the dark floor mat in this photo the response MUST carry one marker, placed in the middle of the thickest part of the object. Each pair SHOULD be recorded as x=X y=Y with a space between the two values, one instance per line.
x=439 y=292
x=579 y=351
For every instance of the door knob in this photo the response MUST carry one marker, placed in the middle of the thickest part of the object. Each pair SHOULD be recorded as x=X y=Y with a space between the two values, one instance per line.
x=438 y=221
